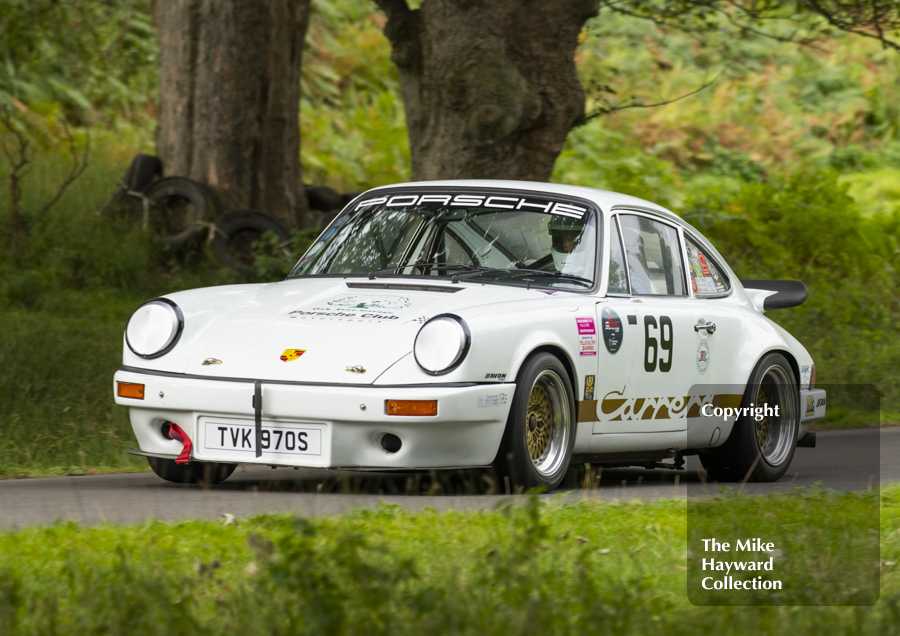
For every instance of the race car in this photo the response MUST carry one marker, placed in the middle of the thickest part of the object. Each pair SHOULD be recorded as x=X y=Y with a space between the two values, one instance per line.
x=454 y=324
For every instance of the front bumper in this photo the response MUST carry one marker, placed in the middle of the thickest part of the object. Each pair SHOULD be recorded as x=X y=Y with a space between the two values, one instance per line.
x=466 y=431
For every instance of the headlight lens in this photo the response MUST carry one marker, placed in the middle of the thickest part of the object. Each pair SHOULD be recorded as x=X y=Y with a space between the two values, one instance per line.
x=441 y=344
x=154 y=328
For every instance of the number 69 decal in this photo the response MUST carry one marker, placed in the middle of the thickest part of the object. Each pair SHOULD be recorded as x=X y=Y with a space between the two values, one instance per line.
x=652 y=346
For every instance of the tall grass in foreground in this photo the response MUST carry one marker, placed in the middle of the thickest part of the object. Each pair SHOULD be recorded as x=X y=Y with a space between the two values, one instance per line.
x=538 y=568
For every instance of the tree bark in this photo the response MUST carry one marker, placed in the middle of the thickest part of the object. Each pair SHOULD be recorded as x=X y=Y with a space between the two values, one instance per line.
x=230 y=100
x=490 y=88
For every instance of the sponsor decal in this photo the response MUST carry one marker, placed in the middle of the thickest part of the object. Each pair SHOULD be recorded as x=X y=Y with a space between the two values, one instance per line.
x=530 y=204
x=497 y=399
x=805 y=374
x=810 y=405
x=356 y=369
x=292 y=354
x=820 y=402
x=587 y=336
x=494 y=376
x=547 y=292
x=613 y=330
x=585 y=326
x=694 y=284
x=703 y=264
x=210 y=361
x=355 y=308
x=589 y=387
x=702 y=356
x=696 y=269
x=421 y=320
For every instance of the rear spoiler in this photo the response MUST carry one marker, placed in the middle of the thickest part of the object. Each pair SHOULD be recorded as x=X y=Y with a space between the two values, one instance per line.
x=786 y=293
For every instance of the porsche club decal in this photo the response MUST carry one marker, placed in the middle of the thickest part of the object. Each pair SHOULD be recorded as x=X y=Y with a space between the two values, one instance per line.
x=615 y=407
x=292 y=354
x=370 y=302
x=355 y=308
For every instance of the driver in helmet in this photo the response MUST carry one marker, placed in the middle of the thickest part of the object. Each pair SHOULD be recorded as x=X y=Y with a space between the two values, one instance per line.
x=566 y=234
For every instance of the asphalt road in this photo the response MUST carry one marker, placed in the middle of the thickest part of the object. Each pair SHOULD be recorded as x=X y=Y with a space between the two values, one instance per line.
x=843 y=460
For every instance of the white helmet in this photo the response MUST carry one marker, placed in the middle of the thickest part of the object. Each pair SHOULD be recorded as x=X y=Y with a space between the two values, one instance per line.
x=566 y=234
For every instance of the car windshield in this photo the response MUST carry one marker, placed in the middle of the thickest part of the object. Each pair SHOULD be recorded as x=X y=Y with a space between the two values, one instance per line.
x=515 y=238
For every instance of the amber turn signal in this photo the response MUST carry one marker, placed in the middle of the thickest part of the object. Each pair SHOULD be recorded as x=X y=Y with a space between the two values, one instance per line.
x=410 y=407
x=130 y=390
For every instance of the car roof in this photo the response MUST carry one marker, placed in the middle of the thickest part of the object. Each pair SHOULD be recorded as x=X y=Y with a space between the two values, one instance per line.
x=605 y=199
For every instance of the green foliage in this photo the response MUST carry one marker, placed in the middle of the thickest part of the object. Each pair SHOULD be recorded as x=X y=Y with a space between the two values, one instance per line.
x=807 y=227
x=539 y=567
x=88 y=56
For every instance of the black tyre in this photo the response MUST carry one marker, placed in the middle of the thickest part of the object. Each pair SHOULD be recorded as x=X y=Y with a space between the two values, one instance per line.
x=192 y=473
x=347 y=197
x=540 y=432
x=761 y=450
x=323 y=198
x=177 y=209
x=236 y=232
x=143 y=171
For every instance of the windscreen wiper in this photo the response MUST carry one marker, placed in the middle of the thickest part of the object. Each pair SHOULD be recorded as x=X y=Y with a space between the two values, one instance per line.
x=433 y=265
x=520 y=273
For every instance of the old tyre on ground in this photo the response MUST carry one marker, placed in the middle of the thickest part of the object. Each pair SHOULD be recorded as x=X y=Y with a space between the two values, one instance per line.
x=191 y=473
x=540 y=432
x=177 y=209
x=322 y=198
x=761 y=449
x=236 y=232
x=143 y=170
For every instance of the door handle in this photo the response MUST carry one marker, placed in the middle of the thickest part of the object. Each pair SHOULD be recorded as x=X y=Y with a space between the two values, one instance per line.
x=709 y=327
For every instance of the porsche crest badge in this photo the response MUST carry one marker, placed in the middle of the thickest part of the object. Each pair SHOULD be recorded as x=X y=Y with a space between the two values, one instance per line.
x=292 y=354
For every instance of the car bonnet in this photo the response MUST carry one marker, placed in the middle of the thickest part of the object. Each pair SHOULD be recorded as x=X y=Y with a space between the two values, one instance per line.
x=331 y=331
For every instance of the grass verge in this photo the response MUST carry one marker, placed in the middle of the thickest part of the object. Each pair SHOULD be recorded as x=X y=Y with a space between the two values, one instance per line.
x=541 y=567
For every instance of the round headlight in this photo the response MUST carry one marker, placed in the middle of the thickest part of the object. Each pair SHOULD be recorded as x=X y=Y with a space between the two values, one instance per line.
x=154 y=328
x=441 y=344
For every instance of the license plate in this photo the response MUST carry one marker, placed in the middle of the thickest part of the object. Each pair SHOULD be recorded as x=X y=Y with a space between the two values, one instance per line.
x=276 y=439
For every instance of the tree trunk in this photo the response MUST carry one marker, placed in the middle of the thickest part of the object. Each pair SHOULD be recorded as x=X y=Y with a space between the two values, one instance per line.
x=230 y=100
x=490 y=88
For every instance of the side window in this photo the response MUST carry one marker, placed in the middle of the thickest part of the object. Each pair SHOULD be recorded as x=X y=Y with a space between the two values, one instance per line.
x=653 y=255
x=706 y=277
x=618 y=281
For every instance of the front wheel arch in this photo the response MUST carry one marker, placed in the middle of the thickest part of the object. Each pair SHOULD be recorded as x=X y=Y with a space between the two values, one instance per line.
x=539 y=438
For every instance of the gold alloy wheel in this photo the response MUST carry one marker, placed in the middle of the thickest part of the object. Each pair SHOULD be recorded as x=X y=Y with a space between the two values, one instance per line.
x=537 y=426
x=776 y=434
x=548 y=422
x=763 y=425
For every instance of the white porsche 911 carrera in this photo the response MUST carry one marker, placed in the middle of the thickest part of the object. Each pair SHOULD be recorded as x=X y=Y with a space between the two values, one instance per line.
x=477 y=323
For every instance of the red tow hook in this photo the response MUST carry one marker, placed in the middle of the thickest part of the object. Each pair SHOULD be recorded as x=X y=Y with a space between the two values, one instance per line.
x=178 y=434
